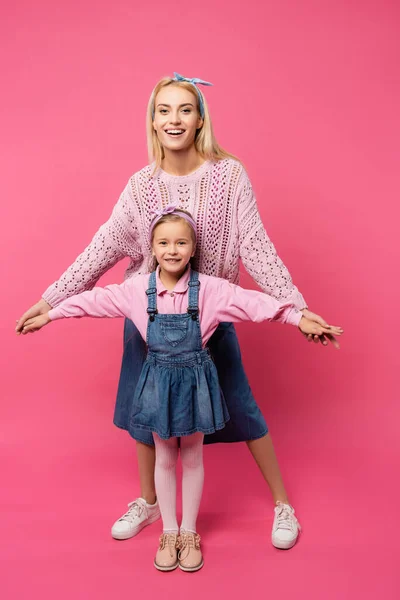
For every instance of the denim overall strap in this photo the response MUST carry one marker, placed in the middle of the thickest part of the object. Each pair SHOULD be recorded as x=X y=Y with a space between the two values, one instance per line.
x=193 y=305
x=152 y=296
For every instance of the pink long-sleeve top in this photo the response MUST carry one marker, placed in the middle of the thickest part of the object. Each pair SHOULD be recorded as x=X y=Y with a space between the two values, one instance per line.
x=219 y=301
x=220 y=197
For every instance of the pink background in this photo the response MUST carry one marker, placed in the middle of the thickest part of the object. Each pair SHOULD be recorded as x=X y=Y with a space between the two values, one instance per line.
x=307 y=94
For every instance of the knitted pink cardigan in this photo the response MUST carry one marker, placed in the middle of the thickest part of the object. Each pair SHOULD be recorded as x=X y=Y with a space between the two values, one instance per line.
x=220 y=198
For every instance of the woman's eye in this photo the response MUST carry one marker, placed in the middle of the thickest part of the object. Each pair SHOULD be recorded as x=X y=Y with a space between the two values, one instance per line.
x=186 y=110
x=163 y=111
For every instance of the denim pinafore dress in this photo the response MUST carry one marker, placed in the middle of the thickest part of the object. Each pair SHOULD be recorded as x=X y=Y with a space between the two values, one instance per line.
x=178 y=391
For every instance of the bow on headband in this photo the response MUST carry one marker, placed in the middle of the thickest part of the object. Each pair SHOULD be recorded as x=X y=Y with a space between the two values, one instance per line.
x=164 y=211
x=195 y=82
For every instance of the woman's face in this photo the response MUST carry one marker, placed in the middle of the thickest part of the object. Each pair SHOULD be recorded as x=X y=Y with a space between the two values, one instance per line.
x=176 y=118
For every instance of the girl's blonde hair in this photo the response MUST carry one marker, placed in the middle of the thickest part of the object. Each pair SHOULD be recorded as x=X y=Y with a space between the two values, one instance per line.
x=205 y=142
x=172 y=217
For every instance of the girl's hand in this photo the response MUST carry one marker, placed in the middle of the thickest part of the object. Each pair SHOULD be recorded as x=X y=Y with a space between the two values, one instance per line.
x=37 y=309
x=332 y=330
x=35 y=323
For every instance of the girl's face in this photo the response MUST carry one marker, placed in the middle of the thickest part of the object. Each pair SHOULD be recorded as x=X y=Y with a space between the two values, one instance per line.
x=173 y=246
x=176 y=118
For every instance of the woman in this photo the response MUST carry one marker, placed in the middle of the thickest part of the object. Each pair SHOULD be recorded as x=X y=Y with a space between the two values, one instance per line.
x=189 y=168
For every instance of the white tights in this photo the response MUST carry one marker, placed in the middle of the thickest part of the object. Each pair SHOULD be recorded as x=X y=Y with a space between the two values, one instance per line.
x=192 y=479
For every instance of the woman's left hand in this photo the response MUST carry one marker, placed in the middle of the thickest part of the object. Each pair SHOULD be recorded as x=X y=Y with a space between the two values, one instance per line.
x=326 y=336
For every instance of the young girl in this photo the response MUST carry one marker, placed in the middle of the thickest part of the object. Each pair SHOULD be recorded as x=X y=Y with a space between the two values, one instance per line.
x=176 y=311
x=188 y=166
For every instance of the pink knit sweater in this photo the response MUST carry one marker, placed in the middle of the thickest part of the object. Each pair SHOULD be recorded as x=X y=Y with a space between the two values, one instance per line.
x=220 y=197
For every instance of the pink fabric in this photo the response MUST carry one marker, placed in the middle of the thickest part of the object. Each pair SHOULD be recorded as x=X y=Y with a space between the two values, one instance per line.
x=191 y=450
x=220 y=198
x=165 y=480
x=219 y=301
x=192 y=479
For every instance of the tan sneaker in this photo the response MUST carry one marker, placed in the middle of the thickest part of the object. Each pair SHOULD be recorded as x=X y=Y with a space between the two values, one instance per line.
x=167 y=555
x=190 y=556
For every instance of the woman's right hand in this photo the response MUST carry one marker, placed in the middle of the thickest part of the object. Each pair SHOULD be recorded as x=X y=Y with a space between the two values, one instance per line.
x=40 y=308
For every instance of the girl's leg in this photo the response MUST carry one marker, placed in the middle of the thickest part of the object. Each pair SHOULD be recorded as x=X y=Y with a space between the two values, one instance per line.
x=192 y=479
x=190 y=556
x=165 y=480
x=165 y=477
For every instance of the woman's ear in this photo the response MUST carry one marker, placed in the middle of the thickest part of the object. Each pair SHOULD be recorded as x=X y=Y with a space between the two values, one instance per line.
x=200 y=123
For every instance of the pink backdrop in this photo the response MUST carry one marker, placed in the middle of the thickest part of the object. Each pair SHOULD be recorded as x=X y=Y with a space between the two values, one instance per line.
x=307 y=94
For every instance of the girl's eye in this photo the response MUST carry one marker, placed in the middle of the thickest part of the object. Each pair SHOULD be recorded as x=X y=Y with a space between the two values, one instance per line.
x=186 y=110
x=163 y=111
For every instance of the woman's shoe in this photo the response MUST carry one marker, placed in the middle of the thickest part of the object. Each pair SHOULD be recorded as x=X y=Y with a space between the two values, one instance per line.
x=286 y=528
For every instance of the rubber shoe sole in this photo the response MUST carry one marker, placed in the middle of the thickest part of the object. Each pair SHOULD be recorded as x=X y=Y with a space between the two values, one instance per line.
x=192 y=569
x=165 y=569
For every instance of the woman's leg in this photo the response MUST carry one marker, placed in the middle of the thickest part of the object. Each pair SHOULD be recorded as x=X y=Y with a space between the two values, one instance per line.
x=165 y=480
x=192 y=479
x=146 y=461
x=264 y=454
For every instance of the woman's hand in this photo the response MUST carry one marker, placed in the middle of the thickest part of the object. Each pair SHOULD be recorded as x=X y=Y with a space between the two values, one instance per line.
x=40 y=308
x=34 y=324
x=314 y=327
x=334 y=330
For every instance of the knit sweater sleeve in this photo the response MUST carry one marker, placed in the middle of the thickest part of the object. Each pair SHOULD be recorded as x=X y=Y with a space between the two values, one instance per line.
x=258 y=253
x=114 y=241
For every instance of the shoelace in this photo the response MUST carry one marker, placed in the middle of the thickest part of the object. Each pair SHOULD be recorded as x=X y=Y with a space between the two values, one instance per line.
x=135 y=510
x=168 y=540
x=187 y=541
x=285 y=517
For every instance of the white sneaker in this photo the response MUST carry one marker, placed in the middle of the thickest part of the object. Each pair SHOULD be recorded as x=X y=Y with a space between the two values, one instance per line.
x=139 y=515
x=286 y=528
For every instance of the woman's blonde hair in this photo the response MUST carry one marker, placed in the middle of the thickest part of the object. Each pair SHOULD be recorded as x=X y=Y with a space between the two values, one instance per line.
x=205 y=142
x=168 y=218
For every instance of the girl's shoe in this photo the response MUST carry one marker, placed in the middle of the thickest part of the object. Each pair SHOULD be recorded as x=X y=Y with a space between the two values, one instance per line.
x=190 y=556
x=286 y=528
x=167 y=555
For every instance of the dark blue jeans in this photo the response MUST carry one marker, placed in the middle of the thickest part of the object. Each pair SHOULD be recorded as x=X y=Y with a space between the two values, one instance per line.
x=246 y=420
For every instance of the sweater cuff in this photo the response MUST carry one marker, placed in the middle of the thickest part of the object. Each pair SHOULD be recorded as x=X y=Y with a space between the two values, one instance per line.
x=298 y=301
x=52 y=297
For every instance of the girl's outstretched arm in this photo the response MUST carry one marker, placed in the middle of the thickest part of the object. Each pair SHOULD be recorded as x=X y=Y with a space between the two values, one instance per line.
x=236 y=304
x=111 y=301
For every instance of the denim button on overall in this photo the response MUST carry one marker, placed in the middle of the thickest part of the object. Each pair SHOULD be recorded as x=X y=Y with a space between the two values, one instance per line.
x=178 y=391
